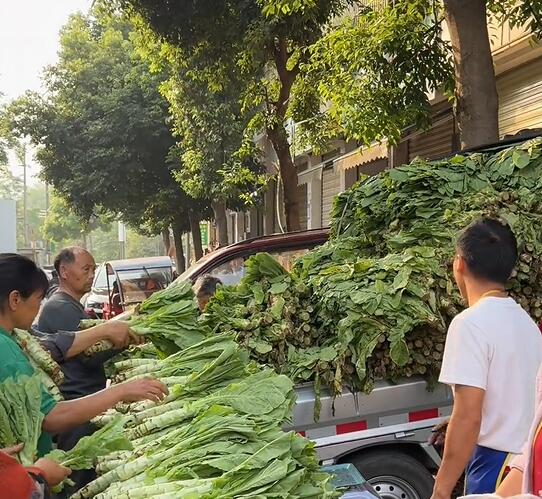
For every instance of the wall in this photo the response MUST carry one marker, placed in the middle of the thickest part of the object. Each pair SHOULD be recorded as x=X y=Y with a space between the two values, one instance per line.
x=8 y=223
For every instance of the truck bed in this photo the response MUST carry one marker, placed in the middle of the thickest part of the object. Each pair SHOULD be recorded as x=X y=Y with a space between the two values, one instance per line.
x=387 y=405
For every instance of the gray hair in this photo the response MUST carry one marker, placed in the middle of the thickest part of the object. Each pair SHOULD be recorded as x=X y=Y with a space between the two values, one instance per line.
x=67 y=256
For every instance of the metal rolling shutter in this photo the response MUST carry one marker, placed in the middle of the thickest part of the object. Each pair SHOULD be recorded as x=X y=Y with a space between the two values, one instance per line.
x=437 y=142
x=302 y=198
x=520 y=98
x=372 y=168
x=331 y=184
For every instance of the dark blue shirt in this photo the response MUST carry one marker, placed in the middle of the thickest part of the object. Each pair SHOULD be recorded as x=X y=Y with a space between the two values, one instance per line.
x=83 y=375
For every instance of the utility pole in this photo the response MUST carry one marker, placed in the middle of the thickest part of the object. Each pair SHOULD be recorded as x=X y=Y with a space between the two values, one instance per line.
x=25 y=199
x=47 y=242
x=122 y=240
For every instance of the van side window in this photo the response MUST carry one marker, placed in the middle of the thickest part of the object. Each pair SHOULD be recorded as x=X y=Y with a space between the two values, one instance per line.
x=230 y=273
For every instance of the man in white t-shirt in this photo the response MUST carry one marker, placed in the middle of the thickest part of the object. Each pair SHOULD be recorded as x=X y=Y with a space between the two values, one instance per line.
x=492 y=355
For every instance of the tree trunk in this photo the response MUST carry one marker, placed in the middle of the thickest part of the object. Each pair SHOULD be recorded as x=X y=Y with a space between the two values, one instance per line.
x=278 y=136
x=219 y=209
x=166 y=240
x=477 y=102
x=179 y=253
x=196 y=237
x=288 y=175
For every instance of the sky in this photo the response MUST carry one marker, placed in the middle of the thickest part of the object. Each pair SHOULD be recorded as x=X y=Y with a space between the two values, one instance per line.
x=29 y=32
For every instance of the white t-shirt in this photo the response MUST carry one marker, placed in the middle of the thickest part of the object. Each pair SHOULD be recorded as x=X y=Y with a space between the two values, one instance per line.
x=495 y=345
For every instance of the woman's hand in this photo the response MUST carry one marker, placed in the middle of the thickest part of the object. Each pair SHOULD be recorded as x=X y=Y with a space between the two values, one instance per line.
x=143 y=389
x=12 y=451
x=53 y=472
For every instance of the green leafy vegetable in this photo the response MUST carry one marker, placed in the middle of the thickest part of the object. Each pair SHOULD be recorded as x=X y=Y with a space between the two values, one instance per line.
x=21 y=416
x=218 y=434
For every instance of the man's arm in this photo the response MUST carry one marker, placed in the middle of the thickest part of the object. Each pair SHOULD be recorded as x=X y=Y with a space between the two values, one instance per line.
x=117 y=332
x=65 y=345
x=461 y=438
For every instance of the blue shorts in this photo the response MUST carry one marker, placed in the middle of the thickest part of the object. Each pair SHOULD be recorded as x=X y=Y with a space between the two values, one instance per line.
x=485 y=470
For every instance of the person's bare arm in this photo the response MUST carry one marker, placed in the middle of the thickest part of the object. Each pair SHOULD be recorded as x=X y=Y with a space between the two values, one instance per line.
x=512 y=484
x=117 y=332
x=461 y=438
x=71 y=413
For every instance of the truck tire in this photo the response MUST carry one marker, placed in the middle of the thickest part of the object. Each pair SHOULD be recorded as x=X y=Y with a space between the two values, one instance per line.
x=395 y=475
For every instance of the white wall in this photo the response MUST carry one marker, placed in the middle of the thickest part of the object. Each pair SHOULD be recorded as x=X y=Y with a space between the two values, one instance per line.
x=8 y=226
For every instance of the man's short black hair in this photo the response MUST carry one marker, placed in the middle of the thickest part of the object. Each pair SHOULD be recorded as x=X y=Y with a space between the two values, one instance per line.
x=67 y=255
x=19 y=273
x=205 y=286
x=489 y=249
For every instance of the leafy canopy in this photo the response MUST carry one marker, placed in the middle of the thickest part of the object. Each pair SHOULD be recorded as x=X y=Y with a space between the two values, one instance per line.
x=102 y=128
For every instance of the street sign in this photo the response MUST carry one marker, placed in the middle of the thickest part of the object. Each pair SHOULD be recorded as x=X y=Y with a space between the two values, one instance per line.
x=122 y=232
x=204 y=228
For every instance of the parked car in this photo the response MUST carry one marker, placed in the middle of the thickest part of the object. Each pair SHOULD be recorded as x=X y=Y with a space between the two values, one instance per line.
x=383 y=434
x=122 y=284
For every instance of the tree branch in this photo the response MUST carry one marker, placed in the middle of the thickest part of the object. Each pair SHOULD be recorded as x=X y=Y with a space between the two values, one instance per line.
x=286 y=76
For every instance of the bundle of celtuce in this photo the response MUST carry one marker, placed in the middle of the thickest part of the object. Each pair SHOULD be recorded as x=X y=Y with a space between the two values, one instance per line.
x=175 y=292
x=169 y=321
x=49 y=371
x=20 y=415
x=143 y=352
x=273 y=316
x=375 y=301
x=90 y=448
x=218 y=433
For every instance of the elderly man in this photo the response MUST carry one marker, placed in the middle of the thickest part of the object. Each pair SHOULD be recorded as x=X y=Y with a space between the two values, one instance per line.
x=62 y=313
x=57 y=322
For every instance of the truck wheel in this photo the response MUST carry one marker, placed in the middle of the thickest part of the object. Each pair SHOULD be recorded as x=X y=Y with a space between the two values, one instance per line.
x=395 y=475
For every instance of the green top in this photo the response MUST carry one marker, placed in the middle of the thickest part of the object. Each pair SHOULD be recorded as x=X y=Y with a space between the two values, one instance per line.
x=13 y=363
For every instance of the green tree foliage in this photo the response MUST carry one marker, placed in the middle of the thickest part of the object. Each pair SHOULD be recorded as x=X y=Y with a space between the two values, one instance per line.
x=10 y=186
x=62 y=225
x=519 y=13
x=375 y=72
x=292 y=58
x=266 y=49
x=102 y=129
x=4 y=135
x=207 y=119
x=138 y=246
x=35 y=214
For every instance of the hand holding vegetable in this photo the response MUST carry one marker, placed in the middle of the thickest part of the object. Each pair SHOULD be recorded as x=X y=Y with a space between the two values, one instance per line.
x=119 y=334
x=53 y=472
x=143 y=389
x=11 y=451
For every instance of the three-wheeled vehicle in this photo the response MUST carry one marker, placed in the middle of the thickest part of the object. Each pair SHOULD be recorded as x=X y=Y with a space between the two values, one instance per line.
x=121 y=284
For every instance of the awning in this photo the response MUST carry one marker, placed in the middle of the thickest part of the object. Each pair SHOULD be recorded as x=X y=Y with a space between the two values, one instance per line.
x=361 y=156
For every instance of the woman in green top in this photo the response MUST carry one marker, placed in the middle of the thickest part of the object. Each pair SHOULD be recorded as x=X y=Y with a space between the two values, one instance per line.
x=22 y=288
